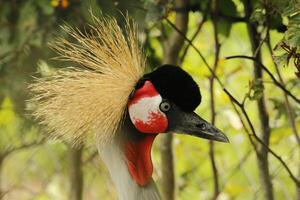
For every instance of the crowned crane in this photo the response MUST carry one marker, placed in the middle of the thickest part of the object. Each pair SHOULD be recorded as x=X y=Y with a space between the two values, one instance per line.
x=110 y=97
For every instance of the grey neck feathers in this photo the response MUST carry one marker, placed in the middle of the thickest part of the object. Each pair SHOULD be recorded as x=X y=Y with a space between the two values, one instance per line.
x=127 y=188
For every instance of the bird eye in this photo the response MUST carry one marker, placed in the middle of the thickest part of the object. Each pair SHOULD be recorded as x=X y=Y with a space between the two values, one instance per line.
x=165 y=106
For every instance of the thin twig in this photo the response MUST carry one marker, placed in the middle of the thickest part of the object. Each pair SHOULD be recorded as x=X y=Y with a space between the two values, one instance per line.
x=277 y=83
x=238 y=166
x=286 y=100
x=293 y=177
x=193 y=37
x=10 y=150
x=236 y=101
x=244 y=125
x=212 y=98
x=196 y=49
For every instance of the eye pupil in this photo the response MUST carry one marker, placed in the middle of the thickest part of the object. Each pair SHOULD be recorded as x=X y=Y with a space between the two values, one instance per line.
x=165 y=106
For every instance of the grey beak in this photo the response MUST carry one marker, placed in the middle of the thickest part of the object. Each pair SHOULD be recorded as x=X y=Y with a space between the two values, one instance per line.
x=191 y=124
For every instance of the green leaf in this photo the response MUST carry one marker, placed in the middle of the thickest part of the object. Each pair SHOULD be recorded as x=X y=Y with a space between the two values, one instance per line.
x=27 y=21
x=7 y=114
x=280 y=107
x=45 y=6
x=154 y=12
x=291 y=8
x=281 y=59
x=228 y=8
x=258 y=16
x=256 y=89
x=224 y=27
x=275 y=21
x=292 y=34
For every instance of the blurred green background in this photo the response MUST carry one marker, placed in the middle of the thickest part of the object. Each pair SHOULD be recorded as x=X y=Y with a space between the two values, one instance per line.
x=33 y=166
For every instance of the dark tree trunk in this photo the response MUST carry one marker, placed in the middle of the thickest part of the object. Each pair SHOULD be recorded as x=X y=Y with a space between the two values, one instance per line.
x=172 y=46
x=1 y=163
x=262 y=153
x=76 y=176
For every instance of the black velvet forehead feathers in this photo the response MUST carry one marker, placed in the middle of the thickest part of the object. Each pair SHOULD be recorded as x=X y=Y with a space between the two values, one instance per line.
x=176 y=85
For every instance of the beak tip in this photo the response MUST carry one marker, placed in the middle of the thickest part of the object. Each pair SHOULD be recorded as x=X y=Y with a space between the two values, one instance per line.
x=226 y=140
x=221 y=137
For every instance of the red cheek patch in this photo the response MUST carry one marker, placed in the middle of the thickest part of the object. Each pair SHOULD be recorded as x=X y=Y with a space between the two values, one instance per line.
x=156 y=123
x=144 y=110
x=147 y=90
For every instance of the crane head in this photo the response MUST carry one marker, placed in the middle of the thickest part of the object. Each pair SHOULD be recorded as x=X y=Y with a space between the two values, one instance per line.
x=164 y=101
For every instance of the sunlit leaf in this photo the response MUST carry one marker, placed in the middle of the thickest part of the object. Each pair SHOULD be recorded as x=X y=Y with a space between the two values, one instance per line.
x=7 y=114
x=234 y=189
x=256 y=89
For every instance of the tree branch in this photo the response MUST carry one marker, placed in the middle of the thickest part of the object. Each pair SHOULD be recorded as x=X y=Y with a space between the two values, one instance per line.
x=277 y=83
x=212 y=98
x=197 y=7
x=288 y=106
x=286 y=100
x=196 y=49
x=241 y=106
x=263 y=115
x=11 y=150
x=233 y=99
x=193 y=37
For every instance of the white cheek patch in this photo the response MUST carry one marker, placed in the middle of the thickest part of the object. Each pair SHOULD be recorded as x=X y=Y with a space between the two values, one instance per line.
x=142 y=109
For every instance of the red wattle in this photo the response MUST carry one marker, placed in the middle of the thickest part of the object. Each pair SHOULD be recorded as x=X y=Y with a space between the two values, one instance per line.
x=139 y=163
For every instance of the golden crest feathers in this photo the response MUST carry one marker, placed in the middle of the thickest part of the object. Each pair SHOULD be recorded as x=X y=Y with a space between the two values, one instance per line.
x=78 y=101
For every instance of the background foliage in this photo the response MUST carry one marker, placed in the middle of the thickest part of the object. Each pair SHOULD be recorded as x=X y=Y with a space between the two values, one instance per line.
x=267 y=31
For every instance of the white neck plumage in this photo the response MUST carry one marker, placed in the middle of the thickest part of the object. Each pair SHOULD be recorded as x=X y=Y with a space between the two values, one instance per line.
x=127 y=188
